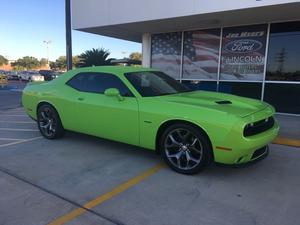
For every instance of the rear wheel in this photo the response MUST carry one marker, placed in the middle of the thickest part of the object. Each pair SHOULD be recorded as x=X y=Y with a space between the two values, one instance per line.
x=185 y=148
x=49 y=122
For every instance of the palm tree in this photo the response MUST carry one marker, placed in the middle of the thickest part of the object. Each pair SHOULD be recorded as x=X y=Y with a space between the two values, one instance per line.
x=94 y=57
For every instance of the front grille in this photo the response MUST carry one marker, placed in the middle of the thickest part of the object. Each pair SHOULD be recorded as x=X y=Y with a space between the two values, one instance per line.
x=258 y=127
x=259 y=152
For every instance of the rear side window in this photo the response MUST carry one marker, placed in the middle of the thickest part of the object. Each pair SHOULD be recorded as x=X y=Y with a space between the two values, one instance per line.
x=98 y=83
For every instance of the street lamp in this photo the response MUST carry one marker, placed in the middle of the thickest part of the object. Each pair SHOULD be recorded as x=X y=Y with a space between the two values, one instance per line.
x=47 y=43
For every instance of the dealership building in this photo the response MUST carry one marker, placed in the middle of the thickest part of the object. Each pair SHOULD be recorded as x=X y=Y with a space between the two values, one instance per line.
x=249 y=48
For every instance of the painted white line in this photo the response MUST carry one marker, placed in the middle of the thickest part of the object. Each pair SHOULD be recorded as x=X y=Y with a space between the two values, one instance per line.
x=19 y=142
x=15 y=115
x=13 y=110
x=11 y=139
x=18 y=90
x=13 y=129
x=7 y=121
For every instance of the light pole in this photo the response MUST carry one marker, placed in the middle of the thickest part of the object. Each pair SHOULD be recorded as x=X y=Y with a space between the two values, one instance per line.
x=47 y=43
x=68 y=34
x=124 y=54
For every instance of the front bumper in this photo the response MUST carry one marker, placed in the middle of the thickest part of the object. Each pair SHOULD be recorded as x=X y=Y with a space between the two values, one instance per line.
x=262 y=154
x=241 y=149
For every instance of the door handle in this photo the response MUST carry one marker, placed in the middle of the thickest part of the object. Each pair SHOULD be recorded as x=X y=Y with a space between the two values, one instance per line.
x=80 y=99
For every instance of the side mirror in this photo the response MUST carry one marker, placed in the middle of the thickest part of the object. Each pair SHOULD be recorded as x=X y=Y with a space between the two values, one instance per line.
x=114 y=92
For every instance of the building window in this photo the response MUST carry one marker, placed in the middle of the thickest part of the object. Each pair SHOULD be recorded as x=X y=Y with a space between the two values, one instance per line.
x=243 y=53
x=244 y=89
x=201 y=54
x=284 y=97
x=284 y=52
x=201 y=85
x=166 y=53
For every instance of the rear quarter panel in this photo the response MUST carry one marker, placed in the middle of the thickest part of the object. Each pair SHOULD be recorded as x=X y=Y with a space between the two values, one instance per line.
x=55 y=93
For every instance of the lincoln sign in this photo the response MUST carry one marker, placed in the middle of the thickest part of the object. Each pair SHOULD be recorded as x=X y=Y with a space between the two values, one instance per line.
x=243 y=53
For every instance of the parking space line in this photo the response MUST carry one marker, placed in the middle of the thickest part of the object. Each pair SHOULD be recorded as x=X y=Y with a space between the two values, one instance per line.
x=20 y=141
x=23 y=115
x=16 y=129
x=14 y=112
x=102 y=198
x=8 y=121
x=11 y=139
x=286 y=141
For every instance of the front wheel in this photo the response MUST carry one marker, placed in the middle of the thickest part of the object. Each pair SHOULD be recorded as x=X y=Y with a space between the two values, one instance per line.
x=49 y=122
x=185 y=148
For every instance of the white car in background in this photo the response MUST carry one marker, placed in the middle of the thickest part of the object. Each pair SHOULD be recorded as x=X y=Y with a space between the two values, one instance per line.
x=31 y=76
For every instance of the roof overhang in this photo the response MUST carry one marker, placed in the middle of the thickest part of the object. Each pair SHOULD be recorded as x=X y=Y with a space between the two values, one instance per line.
x=133 y=31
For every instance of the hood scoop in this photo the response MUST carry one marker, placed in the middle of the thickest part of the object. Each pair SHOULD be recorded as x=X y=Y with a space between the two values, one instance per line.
x=223 y=102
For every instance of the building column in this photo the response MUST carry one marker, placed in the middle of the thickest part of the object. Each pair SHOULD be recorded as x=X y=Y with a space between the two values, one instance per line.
x=146 y=50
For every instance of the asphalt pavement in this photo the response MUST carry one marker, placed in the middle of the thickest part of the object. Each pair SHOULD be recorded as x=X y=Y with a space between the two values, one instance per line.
x=10 y=95
x=85 y=180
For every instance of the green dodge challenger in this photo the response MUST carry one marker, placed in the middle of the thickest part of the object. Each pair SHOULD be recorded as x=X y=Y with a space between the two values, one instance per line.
x=147 y=108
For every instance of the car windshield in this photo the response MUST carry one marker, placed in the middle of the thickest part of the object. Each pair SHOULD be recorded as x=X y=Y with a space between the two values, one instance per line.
x=154 y=83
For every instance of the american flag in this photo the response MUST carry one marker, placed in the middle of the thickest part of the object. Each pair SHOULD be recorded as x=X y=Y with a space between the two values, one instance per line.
x=201 y=54
x=201 y=50
x=166 y=53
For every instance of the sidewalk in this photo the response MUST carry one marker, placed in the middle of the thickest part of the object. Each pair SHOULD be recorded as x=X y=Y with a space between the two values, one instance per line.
x=289 y=133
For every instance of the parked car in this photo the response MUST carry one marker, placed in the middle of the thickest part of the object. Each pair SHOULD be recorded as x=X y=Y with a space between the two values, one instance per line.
x=147 y=108
x=37 y=78
x=48 y=74
x=3 y=80
x=24 y=75
x=12 y=75
x=31 y=76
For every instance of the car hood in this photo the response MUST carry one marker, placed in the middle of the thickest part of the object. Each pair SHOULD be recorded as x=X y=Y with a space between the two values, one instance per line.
x=227 y=103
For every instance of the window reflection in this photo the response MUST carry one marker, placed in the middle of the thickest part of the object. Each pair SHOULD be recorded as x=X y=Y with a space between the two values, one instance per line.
x=284 y=52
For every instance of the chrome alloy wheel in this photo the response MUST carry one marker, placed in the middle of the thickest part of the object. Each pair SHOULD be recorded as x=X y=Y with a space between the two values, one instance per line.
x=47 y=122
x=183 y=149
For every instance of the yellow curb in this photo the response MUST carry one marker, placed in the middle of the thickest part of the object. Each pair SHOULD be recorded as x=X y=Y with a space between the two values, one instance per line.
x=286 y=141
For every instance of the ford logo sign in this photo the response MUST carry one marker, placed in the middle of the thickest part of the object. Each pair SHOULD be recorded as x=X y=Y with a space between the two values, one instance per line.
x=243 y=46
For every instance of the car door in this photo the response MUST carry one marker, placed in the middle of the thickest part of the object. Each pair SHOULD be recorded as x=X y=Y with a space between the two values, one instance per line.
x=107 y=116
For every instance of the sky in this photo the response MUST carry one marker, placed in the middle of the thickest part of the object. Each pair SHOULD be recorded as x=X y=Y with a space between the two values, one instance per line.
x=25 y=24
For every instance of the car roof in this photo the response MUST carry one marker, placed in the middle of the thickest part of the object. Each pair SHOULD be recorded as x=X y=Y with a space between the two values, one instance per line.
x=113 y=69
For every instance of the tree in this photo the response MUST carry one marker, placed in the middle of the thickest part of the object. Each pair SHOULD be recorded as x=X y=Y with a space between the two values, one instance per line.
x=75 y=60
x=18 y=68
x=136 y=56
x=27 y=62
x=61 y=63
x=43 y=62
x=94 y=57
x=3 y=60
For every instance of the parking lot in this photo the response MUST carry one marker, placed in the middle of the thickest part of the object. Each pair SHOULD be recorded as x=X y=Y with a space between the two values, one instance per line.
x=85 y=180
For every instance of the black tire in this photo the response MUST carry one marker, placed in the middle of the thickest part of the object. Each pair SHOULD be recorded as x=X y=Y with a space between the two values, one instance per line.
x=49 y=122
x=185 y=153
